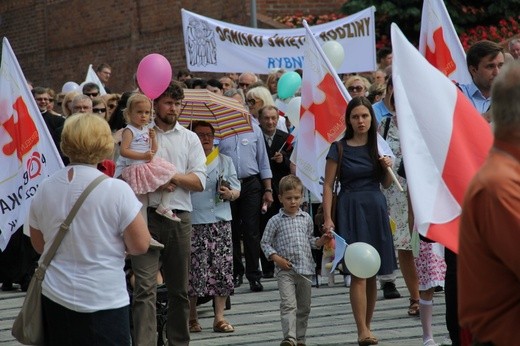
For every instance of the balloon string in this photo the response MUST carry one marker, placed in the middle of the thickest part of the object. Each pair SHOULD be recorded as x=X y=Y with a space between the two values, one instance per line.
x=152 y=120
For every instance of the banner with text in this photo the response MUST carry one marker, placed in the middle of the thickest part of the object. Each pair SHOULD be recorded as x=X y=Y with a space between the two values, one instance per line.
x=215 y=46
x=27 y=153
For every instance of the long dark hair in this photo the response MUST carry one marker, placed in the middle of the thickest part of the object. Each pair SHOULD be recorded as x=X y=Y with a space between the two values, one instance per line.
x=372 y=131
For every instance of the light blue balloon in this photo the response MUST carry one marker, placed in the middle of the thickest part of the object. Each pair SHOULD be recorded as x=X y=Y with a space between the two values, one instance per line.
x=288 y=84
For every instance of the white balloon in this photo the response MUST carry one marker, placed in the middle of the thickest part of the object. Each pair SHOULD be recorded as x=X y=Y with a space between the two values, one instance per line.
x=335 y=52
x=69 y=86
x=362 y=260
x=293 y=111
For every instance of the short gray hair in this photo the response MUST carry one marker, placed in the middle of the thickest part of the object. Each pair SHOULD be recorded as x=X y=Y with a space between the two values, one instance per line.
x=505 y=97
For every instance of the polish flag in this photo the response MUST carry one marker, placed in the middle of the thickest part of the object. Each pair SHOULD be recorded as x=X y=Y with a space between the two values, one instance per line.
x=443 y=138
x=440 y=44
x=27 y=152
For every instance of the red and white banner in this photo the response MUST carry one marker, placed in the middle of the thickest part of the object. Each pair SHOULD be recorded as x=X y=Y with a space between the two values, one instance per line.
x=440 y=44
x=444 y=141
x=27 y=153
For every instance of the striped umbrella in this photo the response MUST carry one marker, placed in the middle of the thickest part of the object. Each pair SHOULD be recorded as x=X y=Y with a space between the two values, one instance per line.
x=226 y=114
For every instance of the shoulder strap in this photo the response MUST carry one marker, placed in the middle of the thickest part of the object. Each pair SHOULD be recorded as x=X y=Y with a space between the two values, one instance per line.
x=64 y=227
x=338 y=167
x=387 y=127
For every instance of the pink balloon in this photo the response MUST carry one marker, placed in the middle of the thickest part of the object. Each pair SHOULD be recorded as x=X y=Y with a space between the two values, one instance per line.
x=154 y=74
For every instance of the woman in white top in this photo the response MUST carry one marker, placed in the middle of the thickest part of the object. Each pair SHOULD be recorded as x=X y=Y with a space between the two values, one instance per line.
x=84 y=297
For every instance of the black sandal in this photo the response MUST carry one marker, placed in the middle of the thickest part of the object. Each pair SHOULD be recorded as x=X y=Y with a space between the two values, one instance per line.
x=414 y=308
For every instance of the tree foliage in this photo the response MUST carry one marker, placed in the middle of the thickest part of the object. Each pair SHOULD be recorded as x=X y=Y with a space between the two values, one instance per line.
x=407 y=13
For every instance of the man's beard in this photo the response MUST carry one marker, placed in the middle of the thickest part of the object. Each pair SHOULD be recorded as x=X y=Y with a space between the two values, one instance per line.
x=168 y=119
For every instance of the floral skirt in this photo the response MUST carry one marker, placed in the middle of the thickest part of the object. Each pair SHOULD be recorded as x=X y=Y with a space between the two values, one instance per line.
x=211 y=272
x=149 y=176
x=431 y=268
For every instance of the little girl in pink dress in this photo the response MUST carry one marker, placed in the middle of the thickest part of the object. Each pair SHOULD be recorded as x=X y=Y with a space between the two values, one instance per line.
x=144 y=172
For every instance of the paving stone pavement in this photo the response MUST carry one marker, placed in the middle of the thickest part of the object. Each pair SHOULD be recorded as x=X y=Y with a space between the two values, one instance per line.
x=256 y=319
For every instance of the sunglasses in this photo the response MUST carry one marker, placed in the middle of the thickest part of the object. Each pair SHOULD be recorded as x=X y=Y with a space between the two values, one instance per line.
x=99 y=110
x=244 y=85
x=92 y=94
x=251 y=102
x=356 y=89
x=111 y=106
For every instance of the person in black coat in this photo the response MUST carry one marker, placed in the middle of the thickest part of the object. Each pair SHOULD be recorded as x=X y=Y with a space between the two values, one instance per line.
x=279 y=152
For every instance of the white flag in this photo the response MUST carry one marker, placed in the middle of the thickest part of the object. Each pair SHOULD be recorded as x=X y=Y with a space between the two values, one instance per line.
x=92 y=77
x=28 y=154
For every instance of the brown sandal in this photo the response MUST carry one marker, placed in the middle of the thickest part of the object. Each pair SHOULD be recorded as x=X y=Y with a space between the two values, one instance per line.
x=414 y=308
x=195 y=326
x=223 y=326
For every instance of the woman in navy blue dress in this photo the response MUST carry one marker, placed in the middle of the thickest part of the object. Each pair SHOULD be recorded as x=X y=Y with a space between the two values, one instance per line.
x=361 y=210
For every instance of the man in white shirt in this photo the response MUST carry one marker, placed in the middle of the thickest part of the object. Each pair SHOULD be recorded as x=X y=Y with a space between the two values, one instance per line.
x=182 y=148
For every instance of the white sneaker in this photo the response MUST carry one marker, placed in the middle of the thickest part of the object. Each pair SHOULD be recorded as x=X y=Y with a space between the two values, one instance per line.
x=346 y=280
x=167 y=213
x=430 y=342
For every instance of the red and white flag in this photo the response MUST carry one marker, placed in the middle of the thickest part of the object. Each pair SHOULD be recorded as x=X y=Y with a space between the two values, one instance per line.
x=440 y=44
x=322 y=117
x=27 y=153
x=443 y=138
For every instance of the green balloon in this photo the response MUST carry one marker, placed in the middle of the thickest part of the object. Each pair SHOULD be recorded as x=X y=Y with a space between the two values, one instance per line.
x=288 y=84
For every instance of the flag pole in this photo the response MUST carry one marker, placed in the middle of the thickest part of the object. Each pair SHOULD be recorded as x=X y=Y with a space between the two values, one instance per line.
x=394 y=178
x=340 y=85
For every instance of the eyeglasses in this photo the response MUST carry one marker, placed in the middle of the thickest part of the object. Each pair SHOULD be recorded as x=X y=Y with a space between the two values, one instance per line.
x=356 y=89
x=41 y=99
x=251 y=102
x=244 y=85
x=91 y=94
x=99 y=110
x=205 y=135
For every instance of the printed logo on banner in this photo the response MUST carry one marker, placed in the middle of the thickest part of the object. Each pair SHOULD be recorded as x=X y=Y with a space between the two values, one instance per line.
x=201 y=44
x=25 y=137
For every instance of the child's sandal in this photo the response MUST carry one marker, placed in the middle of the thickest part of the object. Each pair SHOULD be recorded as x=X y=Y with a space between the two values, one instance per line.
x=414 y=308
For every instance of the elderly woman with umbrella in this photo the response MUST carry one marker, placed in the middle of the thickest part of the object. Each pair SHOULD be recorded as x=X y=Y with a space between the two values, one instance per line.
x=211 y=272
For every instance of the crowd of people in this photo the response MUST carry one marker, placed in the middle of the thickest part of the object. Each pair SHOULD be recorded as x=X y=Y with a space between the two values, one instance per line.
x=201 y=213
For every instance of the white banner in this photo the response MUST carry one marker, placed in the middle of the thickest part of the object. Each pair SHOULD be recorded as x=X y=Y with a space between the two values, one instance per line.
x=215 y=46
x=27 y=153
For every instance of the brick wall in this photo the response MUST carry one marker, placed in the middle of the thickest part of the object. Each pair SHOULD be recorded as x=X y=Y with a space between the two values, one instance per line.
x=56 y=40
x=273 y=8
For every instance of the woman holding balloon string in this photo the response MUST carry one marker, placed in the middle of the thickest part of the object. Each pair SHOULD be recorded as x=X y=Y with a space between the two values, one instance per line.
x=362 y=214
